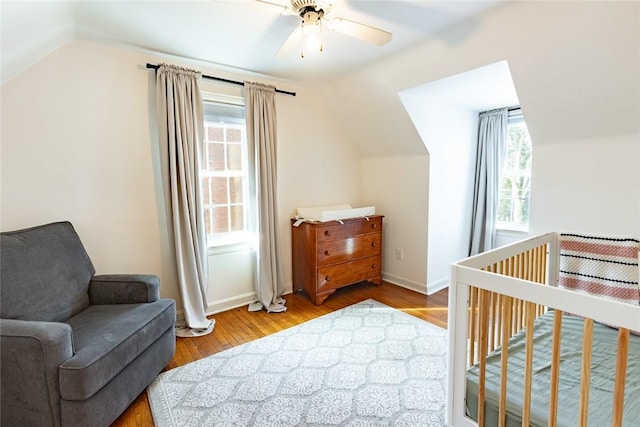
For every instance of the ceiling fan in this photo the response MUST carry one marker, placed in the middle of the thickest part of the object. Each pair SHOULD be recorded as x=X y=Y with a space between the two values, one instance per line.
x=313 y=14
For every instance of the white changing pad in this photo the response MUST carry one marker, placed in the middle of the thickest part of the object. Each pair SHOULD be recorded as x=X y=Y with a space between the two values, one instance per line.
x=334 y=212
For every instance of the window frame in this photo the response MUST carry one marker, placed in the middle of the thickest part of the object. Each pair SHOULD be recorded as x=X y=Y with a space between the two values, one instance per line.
x=515 y=118
x=234 y=240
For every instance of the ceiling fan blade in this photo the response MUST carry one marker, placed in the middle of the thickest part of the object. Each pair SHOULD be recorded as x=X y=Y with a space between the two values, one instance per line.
x=360 y=31
x=285 y=7
x=293 y=41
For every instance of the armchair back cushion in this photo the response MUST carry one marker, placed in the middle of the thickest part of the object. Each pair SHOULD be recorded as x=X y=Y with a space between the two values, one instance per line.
x=51 y=283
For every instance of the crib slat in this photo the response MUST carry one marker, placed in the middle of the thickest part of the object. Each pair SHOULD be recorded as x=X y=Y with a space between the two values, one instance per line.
x=492 y=329
x=484 y=298
x=514 y=316
x=585 y=377
x=621 y=374
x=499 y=320
x=472 y=325
x=555 y=368
x=520 y=263
x=541 y=258
x=502 y=408
x=528 y=365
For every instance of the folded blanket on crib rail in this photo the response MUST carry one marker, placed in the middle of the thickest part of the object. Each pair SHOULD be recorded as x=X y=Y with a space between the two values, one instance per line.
x=606 y=266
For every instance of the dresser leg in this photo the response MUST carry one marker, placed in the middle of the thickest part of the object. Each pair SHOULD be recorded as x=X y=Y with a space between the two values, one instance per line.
x=319 y=299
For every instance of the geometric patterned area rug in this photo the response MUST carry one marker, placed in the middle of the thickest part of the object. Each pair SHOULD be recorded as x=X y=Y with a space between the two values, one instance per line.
x=365 y=365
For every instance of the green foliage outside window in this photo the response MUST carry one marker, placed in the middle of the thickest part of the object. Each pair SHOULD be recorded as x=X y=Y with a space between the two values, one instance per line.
x=515 y=180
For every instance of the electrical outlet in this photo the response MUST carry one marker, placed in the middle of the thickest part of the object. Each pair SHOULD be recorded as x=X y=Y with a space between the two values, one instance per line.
x=399 y=253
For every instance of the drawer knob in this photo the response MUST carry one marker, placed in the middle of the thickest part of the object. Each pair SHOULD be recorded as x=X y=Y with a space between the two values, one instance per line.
x=327 y=253
x=373 y=244
x=327 y=232
x=374 y=226
x=327 y=278
x=373 y=266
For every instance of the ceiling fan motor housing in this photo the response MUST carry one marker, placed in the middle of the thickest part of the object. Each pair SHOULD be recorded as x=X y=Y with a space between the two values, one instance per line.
x=305 y=6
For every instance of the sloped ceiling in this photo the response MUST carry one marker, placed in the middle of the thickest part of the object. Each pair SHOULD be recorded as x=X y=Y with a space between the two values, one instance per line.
x=575 y=67
x=569 y=64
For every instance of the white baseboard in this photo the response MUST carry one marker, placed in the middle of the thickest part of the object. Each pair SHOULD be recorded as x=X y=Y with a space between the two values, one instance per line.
x=405 y=283
x=428 y=289
x=439 y=285
x=214 y=307
x=218 y=306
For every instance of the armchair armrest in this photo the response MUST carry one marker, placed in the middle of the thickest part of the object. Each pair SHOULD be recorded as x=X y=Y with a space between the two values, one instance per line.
x=124 y=288
x=30 y=355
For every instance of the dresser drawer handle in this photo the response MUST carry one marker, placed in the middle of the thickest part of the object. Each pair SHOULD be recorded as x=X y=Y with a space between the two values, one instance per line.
x=327 y=278
x=327 y=253
x=373 y=244
x=373 y=266
x=327 y=233
x=374 y=226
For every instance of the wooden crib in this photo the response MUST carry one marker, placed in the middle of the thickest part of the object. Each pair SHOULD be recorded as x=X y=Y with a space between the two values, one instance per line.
x=511 y=360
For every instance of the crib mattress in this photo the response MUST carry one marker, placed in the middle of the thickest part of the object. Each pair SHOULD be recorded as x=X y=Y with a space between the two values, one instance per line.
x=602 y=377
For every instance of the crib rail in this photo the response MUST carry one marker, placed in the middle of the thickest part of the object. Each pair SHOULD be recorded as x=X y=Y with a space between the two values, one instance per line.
x=487 y=317
x=493 y=296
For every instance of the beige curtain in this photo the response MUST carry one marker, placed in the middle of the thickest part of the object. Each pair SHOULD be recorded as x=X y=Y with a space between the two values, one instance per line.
x=180 y=133
x=260 y=107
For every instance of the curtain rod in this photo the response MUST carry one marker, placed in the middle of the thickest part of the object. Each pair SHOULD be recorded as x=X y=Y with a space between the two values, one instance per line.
x=220 y=79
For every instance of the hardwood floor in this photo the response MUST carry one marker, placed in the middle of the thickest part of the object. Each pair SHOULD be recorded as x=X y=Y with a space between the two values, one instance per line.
x=238 y=326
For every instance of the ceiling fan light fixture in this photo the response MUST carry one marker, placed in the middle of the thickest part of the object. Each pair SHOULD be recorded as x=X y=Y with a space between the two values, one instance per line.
x=314 y=15
x=311 y=23
x=311 y=32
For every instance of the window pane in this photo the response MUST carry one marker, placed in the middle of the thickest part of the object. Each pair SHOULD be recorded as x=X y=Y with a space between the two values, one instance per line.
x=504 y=210
x=515 y=180
x=234 y=135
x=224 y=170
x=220 y=219
x=237 y=218
x=215 y=157
x=236 y=189
x=207 y=220
x=234 y=157
x=215 y=133
x=206 y=190
x=219 y=190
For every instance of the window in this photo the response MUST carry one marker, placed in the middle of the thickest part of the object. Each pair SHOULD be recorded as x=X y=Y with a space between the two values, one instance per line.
x=515 y=177
x=224 y=170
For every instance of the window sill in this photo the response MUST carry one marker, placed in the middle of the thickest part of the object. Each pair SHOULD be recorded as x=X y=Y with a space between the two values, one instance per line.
x=223 y=248
x=516 y=232
x=511 y=227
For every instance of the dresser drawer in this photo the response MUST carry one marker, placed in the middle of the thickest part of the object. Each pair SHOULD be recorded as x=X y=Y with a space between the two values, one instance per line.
x=335 y=251
x=340 y=275
x=334 y=231
x=373 y=225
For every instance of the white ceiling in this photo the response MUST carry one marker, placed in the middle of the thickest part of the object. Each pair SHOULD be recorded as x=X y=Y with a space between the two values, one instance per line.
x=480 y=89
x=244 y=34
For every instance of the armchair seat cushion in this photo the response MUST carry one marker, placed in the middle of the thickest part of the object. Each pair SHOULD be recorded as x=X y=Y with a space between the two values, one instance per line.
x=106 y=338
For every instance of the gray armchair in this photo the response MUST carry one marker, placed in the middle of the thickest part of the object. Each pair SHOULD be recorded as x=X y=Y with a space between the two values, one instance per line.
x=76 y=349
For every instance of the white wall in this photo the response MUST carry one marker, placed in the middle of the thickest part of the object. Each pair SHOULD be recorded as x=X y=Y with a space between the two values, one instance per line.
x=587 y=186
x=445 y=113
x=450 y=134
x=398 y=187
x=77 y=143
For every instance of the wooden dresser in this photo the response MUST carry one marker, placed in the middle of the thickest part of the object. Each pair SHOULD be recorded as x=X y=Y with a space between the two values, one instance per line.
x=330 y=255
